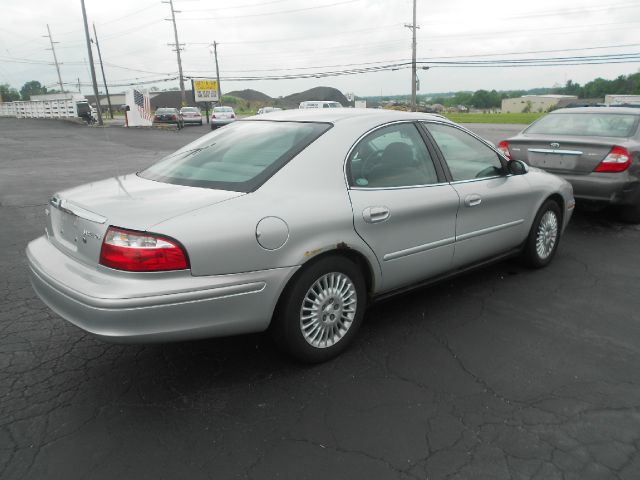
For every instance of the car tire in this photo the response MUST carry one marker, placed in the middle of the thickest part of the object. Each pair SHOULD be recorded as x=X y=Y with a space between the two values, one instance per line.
x=629 y=213
x=321 y=310
x=544 y=236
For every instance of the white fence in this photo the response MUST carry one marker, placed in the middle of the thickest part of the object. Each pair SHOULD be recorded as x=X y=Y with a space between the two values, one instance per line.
x=65 y=108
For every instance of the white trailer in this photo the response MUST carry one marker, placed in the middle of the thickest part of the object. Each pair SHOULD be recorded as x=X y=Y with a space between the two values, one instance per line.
x=60 y=106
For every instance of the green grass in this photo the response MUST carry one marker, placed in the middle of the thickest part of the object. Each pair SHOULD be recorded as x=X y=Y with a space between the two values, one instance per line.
x=524 y=118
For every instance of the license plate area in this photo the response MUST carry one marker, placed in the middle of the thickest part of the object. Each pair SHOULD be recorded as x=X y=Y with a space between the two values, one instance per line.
x=64 y=228
x=553 y=161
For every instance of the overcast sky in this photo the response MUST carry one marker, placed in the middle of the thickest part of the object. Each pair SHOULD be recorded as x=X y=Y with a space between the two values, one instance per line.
x=276 y=37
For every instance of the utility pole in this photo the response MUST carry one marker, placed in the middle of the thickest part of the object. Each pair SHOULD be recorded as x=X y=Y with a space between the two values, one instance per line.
x=215 y=54
x=414 y=75
x=183 y=96
x=55 y=59
x=104 y=79
x=93 y=70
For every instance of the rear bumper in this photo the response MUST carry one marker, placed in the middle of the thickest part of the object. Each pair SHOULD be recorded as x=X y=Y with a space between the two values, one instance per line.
x=140 y=308
x=197 y=121
x=217 y=122
x=612 y=188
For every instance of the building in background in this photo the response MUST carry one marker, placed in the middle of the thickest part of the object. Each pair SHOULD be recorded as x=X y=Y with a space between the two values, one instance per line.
x=535 y=103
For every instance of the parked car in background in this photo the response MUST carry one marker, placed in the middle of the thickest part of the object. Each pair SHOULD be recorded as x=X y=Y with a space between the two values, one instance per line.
x=292 y=223
x=595 y=148
x=319 y=104
x=221 y=116
x=168 y=116
x=191 y=115
x=264 y=110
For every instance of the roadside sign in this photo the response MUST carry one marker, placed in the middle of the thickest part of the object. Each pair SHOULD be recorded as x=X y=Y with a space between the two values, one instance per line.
x=205 y=90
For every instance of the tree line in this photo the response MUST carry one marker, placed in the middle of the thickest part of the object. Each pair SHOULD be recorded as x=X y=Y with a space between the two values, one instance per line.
x=485 y=99
x=10 y=94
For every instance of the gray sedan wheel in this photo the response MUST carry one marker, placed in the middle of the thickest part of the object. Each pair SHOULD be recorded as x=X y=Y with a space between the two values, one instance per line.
x=544 y=235
x=321 y=309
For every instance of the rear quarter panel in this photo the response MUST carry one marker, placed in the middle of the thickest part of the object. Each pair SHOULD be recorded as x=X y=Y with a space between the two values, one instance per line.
x=309 y=194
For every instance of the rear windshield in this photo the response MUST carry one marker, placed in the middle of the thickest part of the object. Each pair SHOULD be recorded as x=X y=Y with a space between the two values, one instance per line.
x=586 y=124
x=223 y=109
x=239 y=157
x=165 y=110
x=189 y=109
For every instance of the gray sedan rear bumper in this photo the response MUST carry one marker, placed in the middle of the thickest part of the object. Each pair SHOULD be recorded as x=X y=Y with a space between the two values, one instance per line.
x=128 y=308
x=612 y=188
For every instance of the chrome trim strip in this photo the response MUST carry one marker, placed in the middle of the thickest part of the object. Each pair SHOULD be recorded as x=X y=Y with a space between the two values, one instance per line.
x=471 y=180
x=77 y=211
x=418 y=249
x=371 y=189
x=484 y=231
x=559 y=152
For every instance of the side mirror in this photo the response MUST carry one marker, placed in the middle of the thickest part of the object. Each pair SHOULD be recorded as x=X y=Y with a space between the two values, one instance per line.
x=517 y=167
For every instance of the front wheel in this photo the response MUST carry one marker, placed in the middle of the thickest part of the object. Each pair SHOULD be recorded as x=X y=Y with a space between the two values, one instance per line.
x=321 y=310
x=544 y=236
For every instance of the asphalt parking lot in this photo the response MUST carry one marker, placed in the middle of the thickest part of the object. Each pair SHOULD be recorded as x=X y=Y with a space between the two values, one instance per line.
x=505 y=373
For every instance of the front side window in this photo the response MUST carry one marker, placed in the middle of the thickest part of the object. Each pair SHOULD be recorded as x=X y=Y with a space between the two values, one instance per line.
x=466 y=156
x=392 y=156
x=239 y=157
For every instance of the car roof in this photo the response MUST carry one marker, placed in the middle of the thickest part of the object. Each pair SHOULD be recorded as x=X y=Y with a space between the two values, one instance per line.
x=337 y=115
x=624 y=110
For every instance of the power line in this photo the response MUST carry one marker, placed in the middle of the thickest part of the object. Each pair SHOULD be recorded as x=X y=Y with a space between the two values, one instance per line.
x=280 y=12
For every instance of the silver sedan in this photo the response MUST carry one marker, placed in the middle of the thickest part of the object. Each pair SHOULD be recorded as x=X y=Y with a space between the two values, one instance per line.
x=294 y=224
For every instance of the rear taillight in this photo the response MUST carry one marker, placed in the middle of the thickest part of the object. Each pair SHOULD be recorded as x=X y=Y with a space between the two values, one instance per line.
x=213 y=116
x=233 y=116
x=173 y=117
x=157 y=117
x=618 y=160
x=503 y=146
x=141 y=252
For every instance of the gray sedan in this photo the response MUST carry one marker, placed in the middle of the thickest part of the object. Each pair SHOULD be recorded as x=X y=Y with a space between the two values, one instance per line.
x=596 y=149
x=293 y=223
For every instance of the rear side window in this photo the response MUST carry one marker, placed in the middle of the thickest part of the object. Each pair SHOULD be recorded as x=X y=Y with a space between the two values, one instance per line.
x=392 y=156
x=239 y=157
x=586 y=124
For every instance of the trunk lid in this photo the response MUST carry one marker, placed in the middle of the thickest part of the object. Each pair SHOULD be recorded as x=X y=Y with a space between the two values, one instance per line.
x=562 y=154
x=78 y=218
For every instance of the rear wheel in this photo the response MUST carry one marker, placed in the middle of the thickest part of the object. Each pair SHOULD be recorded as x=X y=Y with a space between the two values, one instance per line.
x=544 y=236
x=321 y=310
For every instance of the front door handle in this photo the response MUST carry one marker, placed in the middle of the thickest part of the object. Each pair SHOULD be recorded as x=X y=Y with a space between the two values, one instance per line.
x=375 y=214
x=472 y=200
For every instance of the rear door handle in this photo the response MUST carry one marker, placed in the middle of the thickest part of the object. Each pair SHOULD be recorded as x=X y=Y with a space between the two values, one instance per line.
x=375 y=214
x=472 y=200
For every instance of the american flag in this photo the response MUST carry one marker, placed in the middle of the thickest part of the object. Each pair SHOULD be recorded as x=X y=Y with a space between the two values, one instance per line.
x=142 y=102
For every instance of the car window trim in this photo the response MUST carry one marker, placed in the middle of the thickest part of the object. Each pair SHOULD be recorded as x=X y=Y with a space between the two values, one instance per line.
x=503 y=160
x=442 y=180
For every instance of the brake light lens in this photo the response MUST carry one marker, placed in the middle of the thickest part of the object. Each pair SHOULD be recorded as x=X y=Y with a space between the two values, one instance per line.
x=503 y=146
x=141 y=252
x=233 y=116
x=618 y=160
x=173 y=117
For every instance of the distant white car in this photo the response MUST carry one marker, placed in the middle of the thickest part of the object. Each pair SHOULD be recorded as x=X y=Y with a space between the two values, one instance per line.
x=222 y=116
x=191 y=115
x=264 y=110
x=320 y=104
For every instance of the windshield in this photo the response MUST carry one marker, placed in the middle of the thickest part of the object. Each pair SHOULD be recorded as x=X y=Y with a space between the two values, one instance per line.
x=586 y=124
x=239 y=157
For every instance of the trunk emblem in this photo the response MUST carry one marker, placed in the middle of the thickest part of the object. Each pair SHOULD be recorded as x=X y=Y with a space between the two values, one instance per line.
x=87 y=233
x=555 y=145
